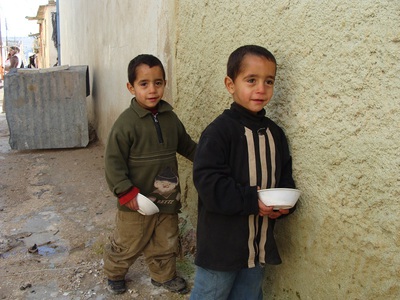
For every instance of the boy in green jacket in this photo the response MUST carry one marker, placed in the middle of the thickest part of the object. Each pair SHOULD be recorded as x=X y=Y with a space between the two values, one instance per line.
x=141 y=157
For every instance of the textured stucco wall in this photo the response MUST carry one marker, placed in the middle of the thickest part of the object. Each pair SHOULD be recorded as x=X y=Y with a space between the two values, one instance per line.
x=337 y=97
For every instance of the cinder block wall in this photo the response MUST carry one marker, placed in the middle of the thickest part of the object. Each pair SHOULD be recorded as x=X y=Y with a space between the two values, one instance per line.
x=336 y=96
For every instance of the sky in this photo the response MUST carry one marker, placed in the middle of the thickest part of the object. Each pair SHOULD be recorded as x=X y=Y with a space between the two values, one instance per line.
x=14 y=12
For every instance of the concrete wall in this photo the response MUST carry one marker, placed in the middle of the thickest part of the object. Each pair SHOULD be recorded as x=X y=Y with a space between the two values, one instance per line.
x=106 y=35
x=337 y=98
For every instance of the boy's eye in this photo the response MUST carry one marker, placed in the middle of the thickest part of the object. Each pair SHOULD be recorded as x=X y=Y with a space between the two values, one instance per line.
x=251 y=80
x=159 y=83
x=143 y=83
x=270 y=82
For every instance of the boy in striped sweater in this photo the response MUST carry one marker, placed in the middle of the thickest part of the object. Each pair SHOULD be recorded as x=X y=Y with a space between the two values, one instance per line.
x=240 y=152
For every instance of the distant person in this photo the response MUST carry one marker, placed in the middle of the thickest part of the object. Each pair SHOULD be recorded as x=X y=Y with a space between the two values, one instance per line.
x=32 y=61
x=13 y=60
x=17 y=54
x=6 y=66
x=141 y=157
x=7 y=63
x=239 y=152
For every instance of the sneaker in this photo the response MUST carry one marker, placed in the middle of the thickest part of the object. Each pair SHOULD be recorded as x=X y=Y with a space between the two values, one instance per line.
x=116 y=286
x=176 y=285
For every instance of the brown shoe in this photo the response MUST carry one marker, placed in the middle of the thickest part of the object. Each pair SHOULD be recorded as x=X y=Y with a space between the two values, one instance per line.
x=176 y=285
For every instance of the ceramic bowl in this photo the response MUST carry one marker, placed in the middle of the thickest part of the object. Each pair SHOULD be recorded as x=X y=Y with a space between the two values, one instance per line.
x=146 y=206
x=279 y=198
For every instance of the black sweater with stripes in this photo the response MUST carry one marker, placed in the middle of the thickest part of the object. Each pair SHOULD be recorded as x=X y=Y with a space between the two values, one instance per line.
x=236 y=153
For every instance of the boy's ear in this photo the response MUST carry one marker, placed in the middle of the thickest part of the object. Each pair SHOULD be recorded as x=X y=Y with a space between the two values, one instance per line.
x=130 y=87
x=229 y=84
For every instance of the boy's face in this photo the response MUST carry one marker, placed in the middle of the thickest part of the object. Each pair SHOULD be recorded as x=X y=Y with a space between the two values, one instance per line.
x=148 y=87
x=254 y=85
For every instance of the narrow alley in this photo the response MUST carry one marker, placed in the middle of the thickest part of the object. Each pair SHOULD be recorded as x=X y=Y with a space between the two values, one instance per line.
x=56 y=213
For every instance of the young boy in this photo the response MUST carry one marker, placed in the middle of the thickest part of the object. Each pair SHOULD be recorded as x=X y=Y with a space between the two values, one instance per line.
x=142 y=146
x=239 y=152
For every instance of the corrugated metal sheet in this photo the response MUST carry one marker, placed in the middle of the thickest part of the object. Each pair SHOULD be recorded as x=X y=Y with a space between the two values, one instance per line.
x=46 y=108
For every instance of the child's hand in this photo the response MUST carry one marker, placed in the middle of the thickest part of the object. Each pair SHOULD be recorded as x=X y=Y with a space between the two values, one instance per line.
x=133 y=205
x=270 y=212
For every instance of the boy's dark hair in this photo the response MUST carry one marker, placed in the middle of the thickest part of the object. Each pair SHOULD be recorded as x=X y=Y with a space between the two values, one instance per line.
x=236 y=58
x=146 y=59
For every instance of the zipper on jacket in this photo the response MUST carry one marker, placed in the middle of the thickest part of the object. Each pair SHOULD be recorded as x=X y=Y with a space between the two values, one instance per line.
x=158 y=128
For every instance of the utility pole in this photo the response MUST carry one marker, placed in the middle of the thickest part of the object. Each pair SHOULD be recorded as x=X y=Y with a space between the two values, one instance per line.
x=1 y=55
x=6 y=34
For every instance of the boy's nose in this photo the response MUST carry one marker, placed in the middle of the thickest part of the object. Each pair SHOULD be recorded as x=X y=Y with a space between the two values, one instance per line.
x=153 y=87
x=261 y=88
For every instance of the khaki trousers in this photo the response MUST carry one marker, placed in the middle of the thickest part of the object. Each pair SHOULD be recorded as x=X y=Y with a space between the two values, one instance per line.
x=155 y=236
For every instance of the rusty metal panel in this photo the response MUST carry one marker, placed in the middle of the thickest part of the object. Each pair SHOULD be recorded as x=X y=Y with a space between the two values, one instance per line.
x=46 y=108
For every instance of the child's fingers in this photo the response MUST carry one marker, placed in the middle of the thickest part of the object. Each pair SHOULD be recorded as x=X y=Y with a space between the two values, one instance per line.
x=263 y=210
x=133 y=205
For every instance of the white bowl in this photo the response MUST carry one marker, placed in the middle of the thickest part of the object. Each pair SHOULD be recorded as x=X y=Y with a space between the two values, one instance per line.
x=279 y=198
x=146 y=206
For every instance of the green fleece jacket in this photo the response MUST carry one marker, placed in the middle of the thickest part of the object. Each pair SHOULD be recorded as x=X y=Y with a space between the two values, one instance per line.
x=141 y=155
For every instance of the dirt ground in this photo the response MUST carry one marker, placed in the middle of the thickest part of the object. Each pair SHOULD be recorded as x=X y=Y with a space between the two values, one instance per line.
x=56 y=213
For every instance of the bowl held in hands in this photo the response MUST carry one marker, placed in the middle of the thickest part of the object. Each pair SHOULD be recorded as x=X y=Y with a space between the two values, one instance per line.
x=279 y=198
x=146 y=206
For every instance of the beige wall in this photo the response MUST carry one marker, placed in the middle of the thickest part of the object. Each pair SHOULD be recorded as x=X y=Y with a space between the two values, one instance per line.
x=337 y=98
x=48 y=52
x=106 y=35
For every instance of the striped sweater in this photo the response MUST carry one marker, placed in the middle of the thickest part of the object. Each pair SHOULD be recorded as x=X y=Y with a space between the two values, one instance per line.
x=236 y=153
